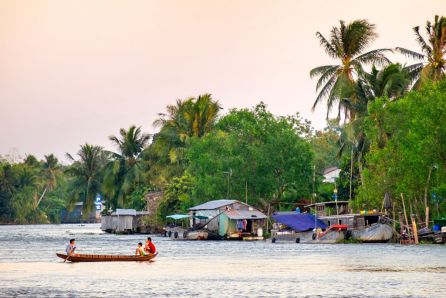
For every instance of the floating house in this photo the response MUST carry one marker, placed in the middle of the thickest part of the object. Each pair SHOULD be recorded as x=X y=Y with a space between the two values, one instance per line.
x=228 y=219
x=123 y=221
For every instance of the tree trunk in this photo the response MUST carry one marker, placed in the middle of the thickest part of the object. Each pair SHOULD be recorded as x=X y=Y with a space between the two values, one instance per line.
x=426 y=205
x=351 y=173
x=41 y=197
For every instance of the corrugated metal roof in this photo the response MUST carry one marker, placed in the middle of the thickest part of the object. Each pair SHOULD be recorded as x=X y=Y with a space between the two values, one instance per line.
x=245 y=214
x=213 y=205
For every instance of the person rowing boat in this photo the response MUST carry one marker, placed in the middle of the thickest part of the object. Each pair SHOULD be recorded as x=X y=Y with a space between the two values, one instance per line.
x=71 y=247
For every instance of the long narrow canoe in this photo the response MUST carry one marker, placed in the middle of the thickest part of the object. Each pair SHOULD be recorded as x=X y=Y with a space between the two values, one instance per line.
x=106 y=258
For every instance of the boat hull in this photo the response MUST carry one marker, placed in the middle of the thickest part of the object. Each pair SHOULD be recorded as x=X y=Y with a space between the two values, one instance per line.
x=331 y=236
x=377 y=232
x=106 y=258
x=178 y=233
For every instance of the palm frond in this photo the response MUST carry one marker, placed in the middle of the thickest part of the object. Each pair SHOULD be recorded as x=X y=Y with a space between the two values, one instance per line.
x=424 y=46
x=376 y=57
x=329 y=49
x=326 y=75
x=324 y=92
x=409 y=53
x=320 y=70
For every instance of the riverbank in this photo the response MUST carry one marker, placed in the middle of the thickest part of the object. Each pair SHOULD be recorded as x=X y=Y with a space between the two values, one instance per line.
x=214 y=268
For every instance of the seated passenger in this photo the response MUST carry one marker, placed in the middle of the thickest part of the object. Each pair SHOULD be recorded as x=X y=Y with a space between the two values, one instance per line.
x=149 y=247
x=140 y=250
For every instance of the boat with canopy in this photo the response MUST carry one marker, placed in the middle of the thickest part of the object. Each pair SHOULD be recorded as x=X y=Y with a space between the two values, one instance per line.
x=176 y=228
x=305 y=228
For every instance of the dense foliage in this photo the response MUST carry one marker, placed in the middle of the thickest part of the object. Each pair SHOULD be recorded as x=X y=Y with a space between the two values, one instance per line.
x=408 y=151
x=388 y=138
x=252 y=155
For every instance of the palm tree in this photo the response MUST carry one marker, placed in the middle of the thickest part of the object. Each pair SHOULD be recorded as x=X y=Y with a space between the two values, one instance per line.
x=126 y=168
x=346 y=44
x=86 y=173
x=433 y=50
x=191 y=117
x=50 y=172
x=392 y=81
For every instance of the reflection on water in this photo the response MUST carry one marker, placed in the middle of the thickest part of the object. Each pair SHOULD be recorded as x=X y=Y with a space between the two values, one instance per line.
x=29 y=267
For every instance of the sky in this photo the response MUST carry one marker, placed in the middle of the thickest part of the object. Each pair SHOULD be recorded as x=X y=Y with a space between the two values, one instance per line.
x=73 y=72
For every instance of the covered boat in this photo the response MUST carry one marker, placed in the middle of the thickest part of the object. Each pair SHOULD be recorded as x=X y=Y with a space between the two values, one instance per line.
x=106 y=258
x=305 y=228
x=370 y=226
x=176 y=229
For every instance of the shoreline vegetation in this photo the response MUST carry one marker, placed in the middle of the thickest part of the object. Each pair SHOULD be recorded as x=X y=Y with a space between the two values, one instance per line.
x=388 y=138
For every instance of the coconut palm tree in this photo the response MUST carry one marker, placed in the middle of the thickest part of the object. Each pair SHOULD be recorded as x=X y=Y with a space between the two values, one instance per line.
x=51 y=170
x=433 y=49
x=86 y=174
x=392 y=81
x=126 y=167
x=191 y=117
x=347 y=44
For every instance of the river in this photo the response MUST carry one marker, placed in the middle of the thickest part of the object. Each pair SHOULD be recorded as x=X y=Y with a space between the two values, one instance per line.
x=30 y=268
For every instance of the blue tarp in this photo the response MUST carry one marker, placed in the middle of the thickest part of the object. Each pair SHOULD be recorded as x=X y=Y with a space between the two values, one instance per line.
x=300 y=222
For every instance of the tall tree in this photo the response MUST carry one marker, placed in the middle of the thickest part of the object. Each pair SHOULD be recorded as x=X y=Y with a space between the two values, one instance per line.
x=346 y=44
x=192 y=117
x=51 y=170
x=253 y=153
x=126 y=167
x=86 y=174
x=433 y=49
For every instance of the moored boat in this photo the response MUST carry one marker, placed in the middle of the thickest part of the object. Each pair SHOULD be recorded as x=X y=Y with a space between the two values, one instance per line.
x=106 y=258
x=176 y=230
x=369 y=226
x=305 y=228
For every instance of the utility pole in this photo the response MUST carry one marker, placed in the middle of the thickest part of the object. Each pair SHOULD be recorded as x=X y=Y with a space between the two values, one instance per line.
x=229 y=173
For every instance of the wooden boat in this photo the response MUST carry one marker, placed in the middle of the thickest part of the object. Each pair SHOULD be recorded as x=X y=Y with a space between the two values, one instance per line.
x=176 y=230
x=365 y=227
x=106 y=258
x=305 y=228
x=179 y=233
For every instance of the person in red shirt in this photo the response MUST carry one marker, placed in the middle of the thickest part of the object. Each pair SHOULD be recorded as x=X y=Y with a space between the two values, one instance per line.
x=150 y=247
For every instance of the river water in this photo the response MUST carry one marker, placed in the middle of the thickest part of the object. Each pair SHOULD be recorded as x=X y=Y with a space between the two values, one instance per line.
x=30 y=268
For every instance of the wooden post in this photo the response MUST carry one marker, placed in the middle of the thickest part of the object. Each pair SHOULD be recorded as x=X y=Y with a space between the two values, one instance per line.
x=405 y=215
x=427 y=217
x=246 y=192
x=267 y=219
x=414 y=226
x=400 y=215
x=393 y=218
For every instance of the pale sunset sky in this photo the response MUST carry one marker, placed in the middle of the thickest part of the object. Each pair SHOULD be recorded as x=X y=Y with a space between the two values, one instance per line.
x=76 y=71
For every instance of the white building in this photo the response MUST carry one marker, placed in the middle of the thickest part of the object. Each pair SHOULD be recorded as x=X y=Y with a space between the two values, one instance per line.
x=330 y=174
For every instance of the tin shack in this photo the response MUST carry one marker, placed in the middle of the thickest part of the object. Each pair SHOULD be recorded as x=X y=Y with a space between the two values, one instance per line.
x=229 y=219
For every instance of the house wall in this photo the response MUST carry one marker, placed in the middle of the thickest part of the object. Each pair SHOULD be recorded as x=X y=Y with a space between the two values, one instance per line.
x=331 y=177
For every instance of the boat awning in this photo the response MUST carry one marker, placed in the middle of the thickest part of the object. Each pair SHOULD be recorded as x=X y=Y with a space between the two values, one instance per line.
x=245 y=214
x=178 y=216
x=182 y=216
x=299 y=222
